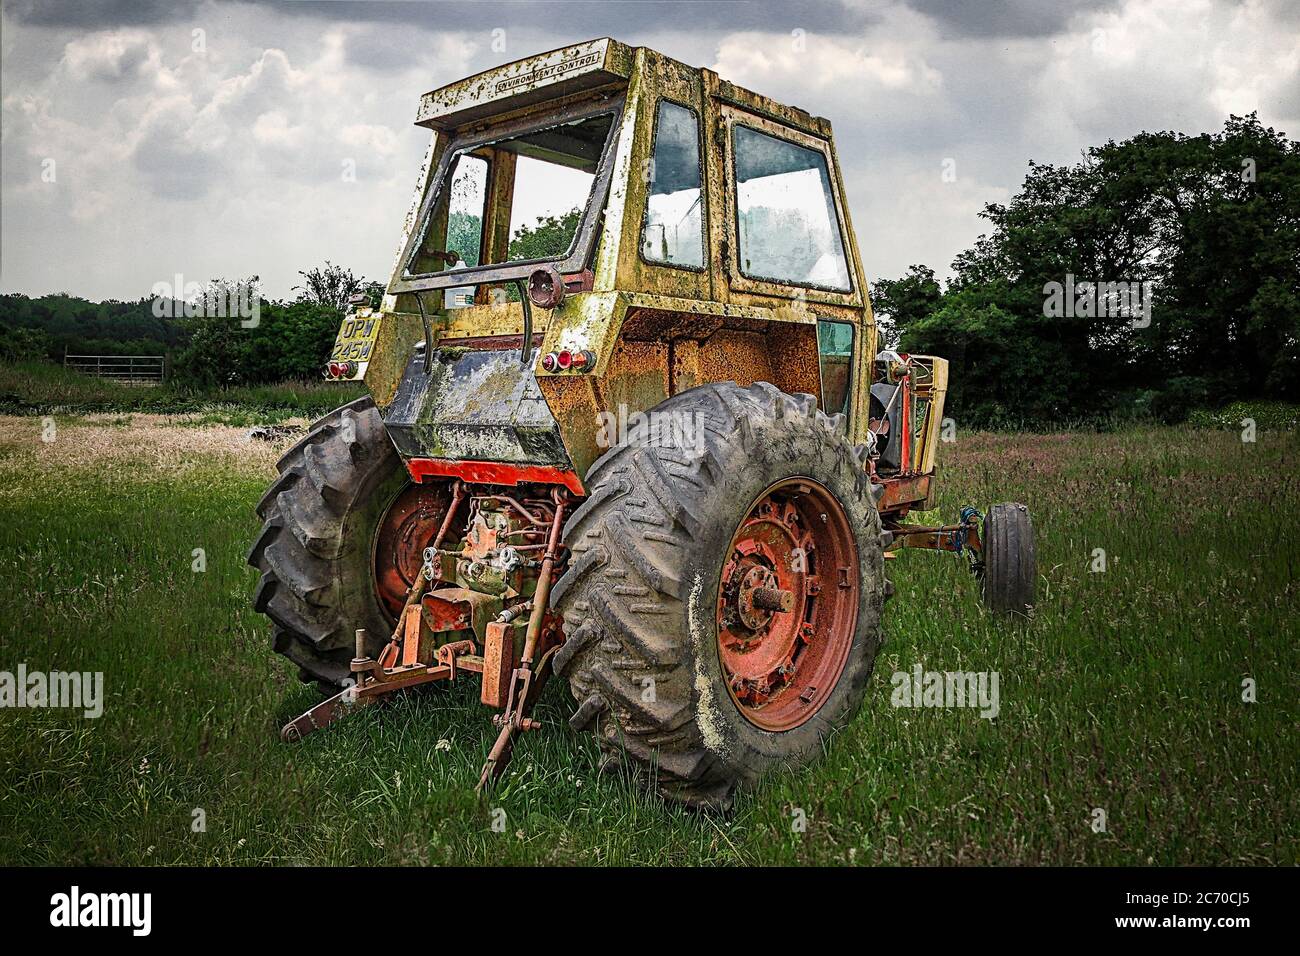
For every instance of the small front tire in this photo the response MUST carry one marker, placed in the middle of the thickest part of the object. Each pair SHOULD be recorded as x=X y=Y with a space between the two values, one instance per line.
x=1008 y=578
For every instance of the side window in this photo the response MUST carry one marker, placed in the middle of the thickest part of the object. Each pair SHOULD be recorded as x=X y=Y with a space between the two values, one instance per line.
x=673 y=231
x=468 y=200
x=788 y=229
x=835 y=354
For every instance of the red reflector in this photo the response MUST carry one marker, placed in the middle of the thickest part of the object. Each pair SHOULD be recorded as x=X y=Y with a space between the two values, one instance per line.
x=549 y=361
x=564 y=359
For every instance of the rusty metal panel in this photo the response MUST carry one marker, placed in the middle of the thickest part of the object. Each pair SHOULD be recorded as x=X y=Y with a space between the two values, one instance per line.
x=498 y=663
x=903 y=492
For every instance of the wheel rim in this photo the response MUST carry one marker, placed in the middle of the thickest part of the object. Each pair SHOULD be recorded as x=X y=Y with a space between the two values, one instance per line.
x=408 y=527
x=787 y=604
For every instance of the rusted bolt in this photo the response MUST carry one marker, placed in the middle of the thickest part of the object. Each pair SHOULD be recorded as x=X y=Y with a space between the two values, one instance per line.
x=773 y=599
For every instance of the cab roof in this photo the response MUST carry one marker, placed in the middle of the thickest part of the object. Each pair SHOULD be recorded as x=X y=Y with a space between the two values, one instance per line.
x=563 y=72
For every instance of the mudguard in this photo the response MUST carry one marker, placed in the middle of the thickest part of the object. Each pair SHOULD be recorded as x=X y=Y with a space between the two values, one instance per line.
x=474 y=405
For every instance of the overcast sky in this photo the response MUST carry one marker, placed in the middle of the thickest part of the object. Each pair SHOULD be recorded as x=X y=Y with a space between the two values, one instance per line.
x=146 y=138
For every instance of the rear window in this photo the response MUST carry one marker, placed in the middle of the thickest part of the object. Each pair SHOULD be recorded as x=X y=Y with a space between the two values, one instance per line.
x=548 y=174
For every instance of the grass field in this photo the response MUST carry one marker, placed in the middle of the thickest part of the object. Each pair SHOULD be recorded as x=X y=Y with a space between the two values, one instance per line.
x=41 y=388
x=1125 y=693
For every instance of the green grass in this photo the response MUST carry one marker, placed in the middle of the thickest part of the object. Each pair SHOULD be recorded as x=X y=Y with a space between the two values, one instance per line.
x=1123 y=694
x=41 y=388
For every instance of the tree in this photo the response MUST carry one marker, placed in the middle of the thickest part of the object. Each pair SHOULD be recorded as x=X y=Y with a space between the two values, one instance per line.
x=330 y=286
x=1211 y=222
x=549 y=236
x=902 y=303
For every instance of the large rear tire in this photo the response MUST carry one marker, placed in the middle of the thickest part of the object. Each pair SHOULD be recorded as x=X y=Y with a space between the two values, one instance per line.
x=652 y=584
x=316 y=548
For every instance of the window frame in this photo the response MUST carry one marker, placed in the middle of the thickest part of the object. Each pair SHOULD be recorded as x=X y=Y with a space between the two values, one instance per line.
x=737 y=278
x=704 y=199
x=584 y=242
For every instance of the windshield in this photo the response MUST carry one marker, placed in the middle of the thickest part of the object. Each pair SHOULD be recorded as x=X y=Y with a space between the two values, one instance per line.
x=516 y=199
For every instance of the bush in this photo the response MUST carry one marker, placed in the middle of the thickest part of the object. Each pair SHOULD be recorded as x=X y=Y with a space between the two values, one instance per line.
x=1280 y=416
x=1179 y=397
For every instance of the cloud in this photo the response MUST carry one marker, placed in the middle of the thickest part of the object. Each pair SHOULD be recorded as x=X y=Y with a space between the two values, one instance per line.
x=286 y=137
x=108 y=57
x=1007 y=18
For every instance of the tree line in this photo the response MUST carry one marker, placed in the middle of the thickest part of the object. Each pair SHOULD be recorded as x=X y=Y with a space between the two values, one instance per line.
x=205 y=347
x=1157 y=275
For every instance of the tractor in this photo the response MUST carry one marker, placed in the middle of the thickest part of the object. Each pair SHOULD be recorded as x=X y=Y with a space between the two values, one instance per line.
x=627 y=424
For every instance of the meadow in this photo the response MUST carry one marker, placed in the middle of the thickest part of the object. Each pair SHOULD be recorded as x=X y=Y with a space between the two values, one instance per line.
x=42 y=388
x=1161 y=690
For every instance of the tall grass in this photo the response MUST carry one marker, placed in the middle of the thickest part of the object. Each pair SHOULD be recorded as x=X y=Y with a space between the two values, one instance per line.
x=1123 y=694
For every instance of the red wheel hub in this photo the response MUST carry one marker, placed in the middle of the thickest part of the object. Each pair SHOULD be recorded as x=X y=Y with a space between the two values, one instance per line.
x=787 y=604
x=407 y=528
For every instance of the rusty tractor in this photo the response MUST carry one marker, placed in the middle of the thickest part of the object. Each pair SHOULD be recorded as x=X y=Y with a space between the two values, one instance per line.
x=628 y=425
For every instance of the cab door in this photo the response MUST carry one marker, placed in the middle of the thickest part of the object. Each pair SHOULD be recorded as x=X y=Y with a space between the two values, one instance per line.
x=788 y=237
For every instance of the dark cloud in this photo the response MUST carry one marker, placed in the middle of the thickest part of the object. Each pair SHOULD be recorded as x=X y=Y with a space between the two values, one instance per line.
x=96 y=14
x=1006 y=18
x=581 y=18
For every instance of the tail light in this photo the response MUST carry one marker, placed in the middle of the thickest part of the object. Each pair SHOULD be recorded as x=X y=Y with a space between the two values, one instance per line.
x=567 y=360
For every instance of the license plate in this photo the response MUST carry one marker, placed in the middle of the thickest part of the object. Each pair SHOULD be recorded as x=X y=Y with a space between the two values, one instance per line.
x=355 y=342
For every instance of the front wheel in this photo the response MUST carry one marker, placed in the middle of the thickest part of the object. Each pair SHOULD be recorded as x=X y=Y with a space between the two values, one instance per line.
x=1009 y=566
x=724 y=591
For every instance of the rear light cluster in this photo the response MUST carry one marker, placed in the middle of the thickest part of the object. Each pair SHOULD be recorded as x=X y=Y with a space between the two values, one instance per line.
x=565 y=361
x=340 y=369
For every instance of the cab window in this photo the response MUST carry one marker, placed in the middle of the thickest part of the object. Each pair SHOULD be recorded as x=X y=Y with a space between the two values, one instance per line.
x=673 y=230
x=543 y=179
x=465 y=215
x=835 y=354
x=787 y=225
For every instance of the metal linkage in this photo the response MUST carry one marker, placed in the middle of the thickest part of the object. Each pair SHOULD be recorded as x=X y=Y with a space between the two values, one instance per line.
x=511 y=680
x=963 y=537
x=526 y=680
